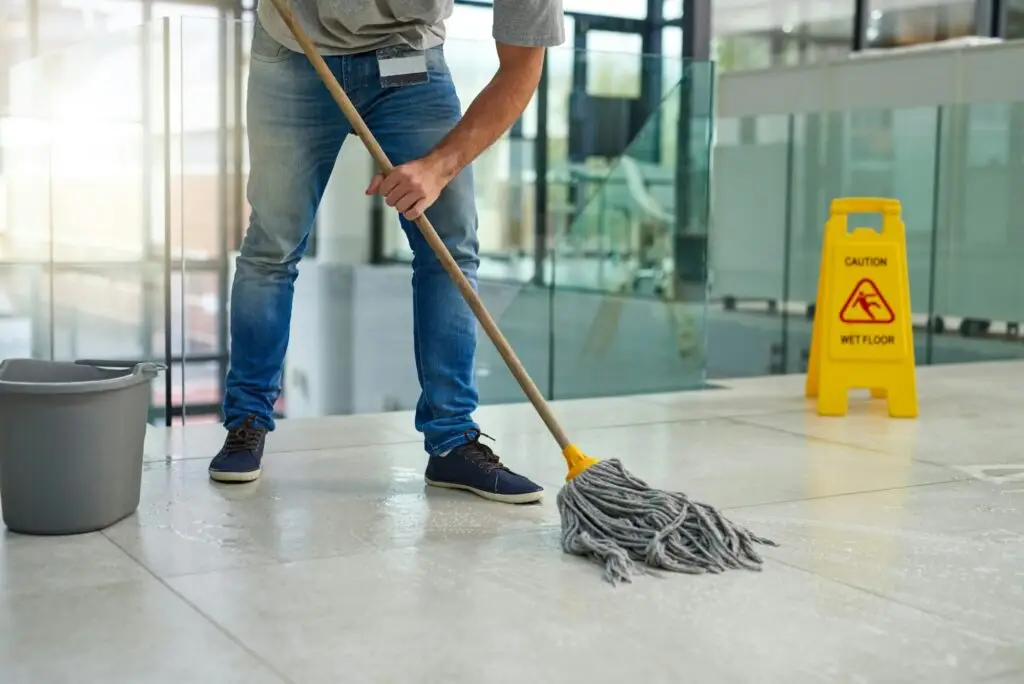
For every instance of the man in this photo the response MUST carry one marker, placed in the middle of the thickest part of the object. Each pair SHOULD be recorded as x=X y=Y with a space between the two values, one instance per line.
x=388 y=56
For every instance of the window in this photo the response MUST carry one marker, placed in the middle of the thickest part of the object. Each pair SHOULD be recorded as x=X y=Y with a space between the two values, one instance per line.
x=766 y=33
x=1014 y=25
x=900 y=23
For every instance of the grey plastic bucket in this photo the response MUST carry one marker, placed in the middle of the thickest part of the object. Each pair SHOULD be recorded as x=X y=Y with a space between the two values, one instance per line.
x=71 y=443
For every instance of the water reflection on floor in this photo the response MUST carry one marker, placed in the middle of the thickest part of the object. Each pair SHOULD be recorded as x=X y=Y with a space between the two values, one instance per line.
x=901 y=560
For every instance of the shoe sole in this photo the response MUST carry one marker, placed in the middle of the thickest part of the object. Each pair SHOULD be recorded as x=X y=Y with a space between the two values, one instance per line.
x=529 y=497
x=235 y=478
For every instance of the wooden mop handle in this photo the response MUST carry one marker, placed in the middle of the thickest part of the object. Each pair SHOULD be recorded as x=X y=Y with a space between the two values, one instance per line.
x=427 y=229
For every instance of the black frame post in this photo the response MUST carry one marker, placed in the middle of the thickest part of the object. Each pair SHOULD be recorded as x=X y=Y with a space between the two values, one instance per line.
x=168 y=338
x=696 y=48
x=651 y=80
x=991 y=17
x=861 y=11
x=540 y=181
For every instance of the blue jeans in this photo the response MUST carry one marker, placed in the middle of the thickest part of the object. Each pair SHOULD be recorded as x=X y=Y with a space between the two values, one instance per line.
x=295 y=132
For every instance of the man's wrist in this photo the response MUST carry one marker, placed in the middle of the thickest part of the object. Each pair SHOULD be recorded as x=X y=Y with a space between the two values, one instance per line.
x=446 y=162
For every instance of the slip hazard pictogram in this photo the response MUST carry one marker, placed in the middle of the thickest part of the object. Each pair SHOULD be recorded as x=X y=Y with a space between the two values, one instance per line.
x=866 y=305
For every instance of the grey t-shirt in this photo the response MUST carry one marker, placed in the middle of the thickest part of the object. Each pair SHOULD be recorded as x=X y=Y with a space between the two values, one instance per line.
x=348 y=26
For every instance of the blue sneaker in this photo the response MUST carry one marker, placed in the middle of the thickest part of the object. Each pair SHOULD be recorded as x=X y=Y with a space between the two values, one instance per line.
x=240 y=458
x=474 y=468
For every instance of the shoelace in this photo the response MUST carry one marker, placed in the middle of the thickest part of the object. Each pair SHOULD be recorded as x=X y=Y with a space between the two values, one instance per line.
x=245 y=437
x=482 y=454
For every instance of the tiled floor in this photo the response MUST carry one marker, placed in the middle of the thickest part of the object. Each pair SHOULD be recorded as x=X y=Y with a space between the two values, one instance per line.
x=902 y=556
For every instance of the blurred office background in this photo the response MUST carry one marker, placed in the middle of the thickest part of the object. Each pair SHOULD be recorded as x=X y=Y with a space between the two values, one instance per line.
x=650 y=224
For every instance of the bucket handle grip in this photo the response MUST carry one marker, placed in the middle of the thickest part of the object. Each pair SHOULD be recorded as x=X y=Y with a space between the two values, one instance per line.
x=148 y=368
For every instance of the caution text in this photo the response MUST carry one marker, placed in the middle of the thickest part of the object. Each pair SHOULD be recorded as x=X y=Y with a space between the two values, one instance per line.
x=868 y=340
x=866 y=261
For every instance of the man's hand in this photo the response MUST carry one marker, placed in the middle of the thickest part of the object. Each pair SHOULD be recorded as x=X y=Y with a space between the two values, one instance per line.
x=411 y=188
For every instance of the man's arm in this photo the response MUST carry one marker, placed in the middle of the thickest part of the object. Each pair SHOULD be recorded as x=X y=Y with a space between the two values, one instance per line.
x=413 y=187
x=494 y=110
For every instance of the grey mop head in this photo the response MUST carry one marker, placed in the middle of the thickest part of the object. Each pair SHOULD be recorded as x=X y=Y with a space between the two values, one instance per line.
x=614 y=518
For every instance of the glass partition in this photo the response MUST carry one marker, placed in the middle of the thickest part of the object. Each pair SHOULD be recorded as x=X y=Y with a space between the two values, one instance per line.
x=619 y=306
x=82 y=232
x=354 y=295
x=954 y=168
x=629 y=277
x=123 y=206
x=207 y=61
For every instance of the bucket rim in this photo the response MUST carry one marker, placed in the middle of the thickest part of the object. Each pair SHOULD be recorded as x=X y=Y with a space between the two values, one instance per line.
x=140 y=372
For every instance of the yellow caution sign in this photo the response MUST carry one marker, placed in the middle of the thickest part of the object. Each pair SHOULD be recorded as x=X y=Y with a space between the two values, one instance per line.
x=862 y=336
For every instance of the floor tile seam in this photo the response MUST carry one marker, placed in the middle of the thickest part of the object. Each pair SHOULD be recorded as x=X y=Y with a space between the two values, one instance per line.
x=121 y=550
x=538 y=429
x=369 y=549
x=729 y=416
x=494 y=582
x=548 y=483
x=638 y=424
x=253 y=565
x=410 y=440
x=552 y=487
x=959 y=475
x=883 y=452
x=402 y=437
x=57 y=591
x=274 y=452
x=525 y=590
x=987 y=679
x=963 y=628
x=232 y=637
x=534 y=591
x=863 y=492
x=727 y=413
x=722 y=396
x=446 y=545
x=744 y=420
x=395 y=437
x=661 y=403
x=822 y=440
x=228 y=634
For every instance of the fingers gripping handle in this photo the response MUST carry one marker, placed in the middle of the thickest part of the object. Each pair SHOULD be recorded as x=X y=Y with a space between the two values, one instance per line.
x=426 y=228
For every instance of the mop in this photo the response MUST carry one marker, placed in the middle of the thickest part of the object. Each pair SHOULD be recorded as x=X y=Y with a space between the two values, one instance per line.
x=607 y=514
